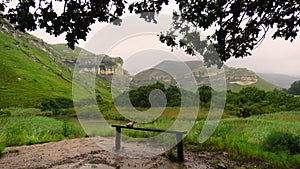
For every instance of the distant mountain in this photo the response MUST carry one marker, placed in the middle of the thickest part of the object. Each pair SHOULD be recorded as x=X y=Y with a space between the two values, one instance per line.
x=281 y=80
x=32 y=70
x=236 y=78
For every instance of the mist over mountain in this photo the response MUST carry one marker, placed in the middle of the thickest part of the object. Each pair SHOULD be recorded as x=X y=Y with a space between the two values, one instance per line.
x=281 y=80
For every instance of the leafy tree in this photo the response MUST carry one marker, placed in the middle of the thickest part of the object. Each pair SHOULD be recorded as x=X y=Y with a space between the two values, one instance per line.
x=295 y=88
x=250 y=95
x=232 y=101
x=205 y=93
x=140 y=97
x=231 y=97
x=248 y=110
x=173 y=96
x=279 y=97
x=240 y=25
x=251 y=101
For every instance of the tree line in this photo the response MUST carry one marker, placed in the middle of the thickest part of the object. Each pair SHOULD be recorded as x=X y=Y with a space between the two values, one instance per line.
x=248 y=101
x=294 y=88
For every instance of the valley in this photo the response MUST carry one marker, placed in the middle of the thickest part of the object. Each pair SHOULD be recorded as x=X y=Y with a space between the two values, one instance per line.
x=38 y=117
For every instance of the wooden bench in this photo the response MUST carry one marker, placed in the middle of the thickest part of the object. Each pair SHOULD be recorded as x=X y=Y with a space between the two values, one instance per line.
x=179 y=137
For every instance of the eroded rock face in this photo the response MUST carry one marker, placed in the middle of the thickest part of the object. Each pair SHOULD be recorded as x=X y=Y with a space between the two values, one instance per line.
x=240 y=76
x=110 y=66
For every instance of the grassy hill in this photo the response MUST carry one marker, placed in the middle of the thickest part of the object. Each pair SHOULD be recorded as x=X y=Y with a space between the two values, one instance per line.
x=65 y=52
x=29 y=71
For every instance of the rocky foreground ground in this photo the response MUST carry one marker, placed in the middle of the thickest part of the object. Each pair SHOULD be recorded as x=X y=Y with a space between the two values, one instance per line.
x=86 y=154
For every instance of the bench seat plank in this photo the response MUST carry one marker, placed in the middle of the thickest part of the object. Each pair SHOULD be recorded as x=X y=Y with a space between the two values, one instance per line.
x=150 y=129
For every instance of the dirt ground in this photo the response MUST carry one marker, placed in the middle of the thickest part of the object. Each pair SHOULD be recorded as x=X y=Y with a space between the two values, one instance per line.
x=86 y=154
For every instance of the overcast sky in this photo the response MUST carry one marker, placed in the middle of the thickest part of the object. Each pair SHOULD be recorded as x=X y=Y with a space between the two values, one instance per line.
x=272 y=56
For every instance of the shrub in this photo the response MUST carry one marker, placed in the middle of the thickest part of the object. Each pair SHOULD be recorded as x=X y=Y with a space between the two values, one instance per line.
x=55 y=103
x=244 y=112
x=48 y=104
x=282 y=142
x=5 y=113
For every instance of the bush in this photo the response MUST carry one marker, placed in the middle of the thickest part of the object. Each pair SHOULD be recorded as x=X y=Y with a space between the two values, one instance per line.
x=55 y=103
x=282 y=142
x=5 y=113
x=244 y=112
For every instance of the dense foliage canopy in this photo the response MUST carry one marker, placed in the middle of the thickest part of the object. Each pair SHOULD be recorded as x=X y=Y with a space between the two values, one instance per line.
x=240 y=25
x=295 y=88
x=248 y=101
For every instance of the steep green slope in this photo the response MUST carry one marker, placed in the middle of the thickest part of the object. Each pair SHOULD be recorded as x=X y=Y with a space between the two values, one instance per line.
x=64 y=54
x=29 y=72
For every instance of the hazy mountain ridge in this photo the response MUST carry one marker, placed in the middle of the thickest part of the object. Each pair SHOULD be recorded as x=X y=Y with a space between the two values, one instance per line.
x=236 y=78
x=281 y=80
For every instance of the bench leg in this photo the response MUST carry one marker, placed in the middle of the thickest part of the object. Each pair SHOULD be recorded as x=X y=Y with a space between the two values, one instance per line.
x=118 y=138
x=179 y=147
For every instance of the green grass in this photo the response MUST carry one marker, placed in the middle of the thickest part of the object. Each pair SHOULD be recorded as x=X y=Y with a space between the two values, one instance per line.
x=242 y=138
x=27 y=130
x=62 y=52
x=65 y=52
x=28 y=74
x=290 y=116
